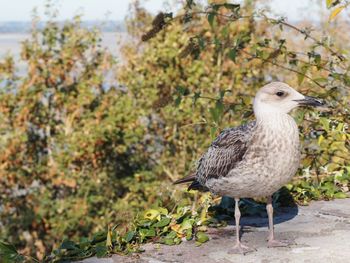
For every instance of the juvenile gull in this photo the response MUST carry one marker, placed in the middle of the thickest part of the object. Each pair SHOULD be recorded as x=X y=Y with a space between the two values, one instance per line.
x=255 y=159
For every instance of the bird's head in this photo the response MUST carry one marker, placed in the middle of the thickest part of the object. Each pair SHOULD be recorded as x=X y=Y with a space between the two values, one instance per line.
x=279 y=97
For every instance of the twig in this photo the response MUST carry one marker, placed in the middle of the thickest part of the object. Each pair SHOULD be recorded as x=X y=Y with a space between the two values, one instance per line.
x=277 y=21
x=333 y=52
x=283 y=67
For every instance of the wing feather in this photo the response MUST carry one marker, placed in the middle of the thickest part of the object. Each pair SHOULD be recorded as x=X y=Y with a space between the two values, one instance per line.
x=225 y=152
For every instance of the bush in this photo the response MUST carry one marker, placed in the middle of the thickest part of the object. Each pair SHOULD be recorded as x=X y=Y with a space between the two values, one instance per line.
x=70 y=143
x=200 y=73
x=80 y=151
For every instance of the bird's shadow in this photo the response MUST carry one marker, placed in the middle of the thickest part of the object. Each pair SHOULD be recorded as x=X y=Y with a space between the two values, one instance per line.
x=254 y=213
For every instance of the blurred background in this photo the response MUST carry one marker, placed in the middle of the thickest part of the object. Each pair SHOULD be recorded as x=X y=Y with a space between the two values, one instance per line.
x=103 y=104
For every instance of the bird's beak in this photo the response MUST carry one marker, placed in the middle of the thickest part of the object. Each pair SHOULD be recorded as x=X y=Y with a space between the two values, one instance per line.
x=310 y=101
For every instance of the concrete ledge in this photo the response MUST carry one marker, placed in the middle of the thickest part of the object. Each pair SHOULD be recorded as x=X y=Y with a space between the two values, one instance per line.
x=321 y=232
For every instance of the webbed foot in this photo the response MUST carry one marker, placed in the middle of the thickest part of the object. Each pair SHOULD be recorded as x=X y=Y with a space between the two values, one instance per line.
x=239 y=248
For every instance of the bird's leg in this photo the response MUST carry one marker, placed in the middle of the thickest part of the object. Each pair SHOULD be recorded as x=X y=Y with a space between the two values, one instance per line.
x=272 y=242
x=239 y=248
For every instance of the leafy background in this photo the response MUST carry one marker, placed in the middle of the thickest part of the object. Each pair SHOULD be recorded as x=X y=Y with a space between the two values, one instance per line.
x=91 y=143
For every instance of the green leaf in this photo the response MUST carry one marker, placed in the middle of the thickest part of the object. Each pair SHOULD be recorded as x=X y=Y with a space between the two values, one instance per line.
x=147 y=232
x=68 y=244
x=9 y=254
x=211 y=17
x=201 y=42
x=325 y=123
x=7 y=248
x=201 y=237
x=189 y=234
x=214 y=114
x=217 y=111
x=213 y=131
x=340 y=195
x=101 y=251
x=172 y=235
x=225 y=31
x=187 y=223
x=232 y=54
x=99 y=237
x=302 y=74
x=170 y=238
x=163 y=222
x=129 y=236
x=168 y=241
x=182 y=90
x=178 y=101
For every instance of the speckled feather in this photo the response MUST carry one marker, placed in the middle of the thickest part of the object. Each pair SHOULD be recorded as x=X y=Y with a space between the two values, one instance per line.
x=251 y=160
x=268 y=159
x=256 y=159
x=225 y=152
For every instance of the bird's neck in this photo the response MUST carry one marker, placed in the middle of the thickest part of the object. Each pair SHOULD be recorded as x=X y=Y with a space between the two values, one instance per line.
x=276 y=121
x=268 y=116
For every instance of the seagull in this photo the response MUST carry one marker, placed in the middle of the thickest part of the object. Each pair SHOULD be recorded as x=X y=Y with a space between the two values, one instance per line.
x=255 y=159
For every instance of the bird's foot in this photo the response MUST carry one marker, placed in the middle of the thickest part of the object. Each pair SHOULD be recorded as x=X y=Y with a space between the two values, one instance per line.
x=279 y=243
x=239 y=248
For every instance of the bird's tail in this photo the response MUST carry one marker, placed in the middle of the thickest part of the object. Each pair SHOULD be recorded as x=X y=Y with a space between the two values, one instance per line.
x=195 y=185
x=187 y=179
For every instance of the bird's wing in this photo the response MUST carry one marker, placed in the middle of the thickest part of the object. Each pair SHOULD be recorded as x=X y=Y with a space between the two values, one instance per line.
x=225 y=152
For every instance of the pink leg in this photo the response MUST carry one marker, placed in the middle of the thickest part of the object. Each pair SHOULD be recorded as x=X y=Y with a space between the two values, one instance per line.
x=239 y=248
x=272 y=242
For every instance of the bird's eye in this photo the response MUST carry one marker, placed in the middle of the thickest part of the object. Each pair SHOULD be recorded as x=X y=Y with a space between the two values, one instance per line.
x=280 y=93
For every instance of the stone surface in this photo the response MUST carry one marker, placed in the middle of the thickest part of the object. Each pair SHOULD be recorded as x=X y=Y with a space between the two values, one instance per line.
x=321 y=233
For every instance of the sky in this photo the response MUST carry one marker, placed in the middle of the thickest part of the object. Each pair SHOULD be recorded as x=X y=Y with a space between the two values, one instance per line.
x=20 y=10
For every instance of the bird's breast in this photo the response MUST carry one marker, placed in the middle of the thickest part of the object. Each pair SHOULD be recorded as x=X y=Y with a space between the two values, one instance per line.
x=271 y=160
x=274 y=155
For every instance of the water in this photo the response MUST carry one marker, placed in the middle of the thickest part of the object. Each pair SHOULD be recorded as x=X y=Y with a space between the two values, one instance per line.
x=10 y=43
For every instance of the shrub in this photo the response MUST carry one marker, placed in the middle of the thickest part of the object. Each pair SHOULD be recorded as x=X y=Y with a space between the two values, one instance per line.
x=80 y=150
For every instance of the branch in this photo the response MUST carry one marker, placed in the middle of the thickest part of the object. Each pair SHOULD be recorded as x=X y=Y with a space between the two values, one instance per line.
x=283 y=67
x=333 y=52
x=277 y=21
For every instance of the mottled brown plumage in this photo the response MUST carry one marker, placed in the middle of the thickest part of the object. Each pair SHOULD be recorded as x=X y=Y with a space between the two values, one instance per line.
x=225 y=152
x=256 y=159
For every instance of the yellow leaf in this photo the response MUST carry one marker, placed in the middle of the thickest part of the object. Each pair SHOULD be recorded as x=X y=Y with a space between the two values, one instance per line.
x=175 y=228
x=162 y=210
x=320 y=139
x=329 y=3
x=335 y=12
x=151 y=214
x=109 y=238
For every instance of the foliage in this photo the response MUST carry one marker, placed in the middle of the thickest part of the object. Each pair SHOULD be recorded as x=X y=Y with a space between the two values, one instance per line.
x=82 y=151
x=156 y=225
x=337 y=6
x=70 y=142
x=9 y=254
x=205 y=65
